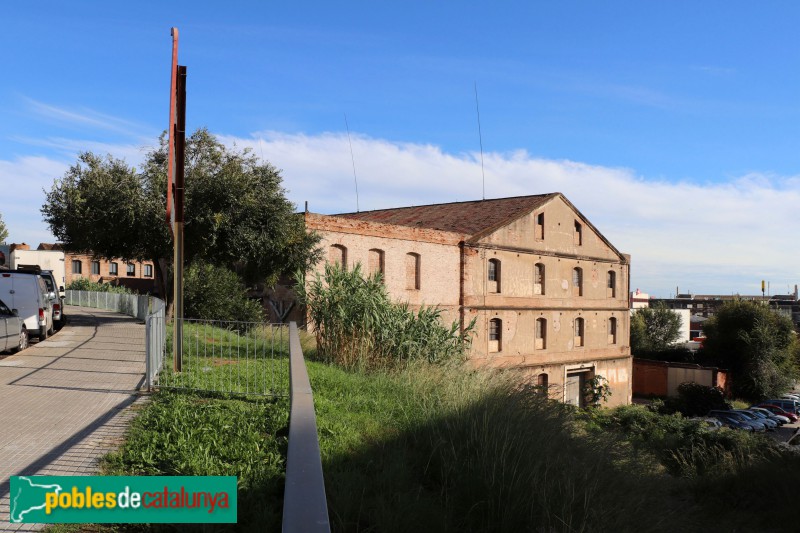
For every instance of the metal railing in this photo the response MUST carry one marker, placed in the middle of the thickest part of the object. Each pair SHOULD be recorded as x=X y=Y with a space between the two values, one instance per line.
x=135 y=305
x=155 y=338
x=305 y=507
x=249 y=358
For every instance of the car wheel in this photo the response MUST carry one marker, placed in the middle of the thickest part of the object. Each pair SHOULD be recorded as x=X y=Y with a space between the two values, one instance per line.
x=52 y=328
x=23 y=340
x=43 y=334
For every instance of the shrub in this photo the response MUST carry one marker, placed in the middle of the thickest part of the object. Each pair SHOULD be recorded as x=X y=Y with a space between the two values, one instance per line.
x=698 y=400
x=215 y=293
x=357 y=324
x=85 y=284
x=683 y=446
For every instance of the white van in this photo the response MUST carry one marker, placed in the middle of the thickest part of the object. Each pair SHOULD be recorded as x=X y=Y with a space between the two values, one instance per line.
x=26 y=294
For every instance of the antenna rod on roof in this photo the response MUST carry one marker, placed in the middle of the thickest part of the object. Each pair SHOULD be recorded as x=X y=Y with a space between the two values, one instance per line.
x=353 y=159
x=480 y=138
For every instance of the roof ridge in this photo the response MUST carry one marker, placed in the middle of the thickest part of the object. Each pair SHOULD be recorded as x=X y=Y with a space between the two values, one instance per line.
x=451 y=203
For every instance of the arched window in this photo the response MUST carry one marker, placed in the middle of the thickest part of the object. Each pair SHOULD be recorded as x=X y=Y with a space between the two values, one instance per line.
x=539 y=226
x=577 y=281
x=495 y=335
x=337 y=255
x=578 y=233
x=538 y=279
x=494 y=275
x=541 y=333
x=376 y=262
x=579 y=332
x=412 y=271
x=612 y=330
x=611 y=284
x=541 y=380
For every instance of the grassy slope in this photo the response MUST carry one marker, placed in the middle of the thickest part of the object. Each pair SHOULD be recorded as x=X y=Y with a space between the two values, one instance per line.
x=439 y=449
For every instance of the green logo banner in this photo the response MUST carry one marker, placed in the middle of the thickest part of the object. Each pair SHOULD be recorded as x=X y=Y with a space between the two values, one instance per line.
x=123 y=499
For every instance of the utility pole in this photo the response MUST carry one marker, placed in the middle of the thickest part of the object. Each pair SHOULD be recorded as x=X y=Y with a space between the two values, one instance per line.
x=175 y=191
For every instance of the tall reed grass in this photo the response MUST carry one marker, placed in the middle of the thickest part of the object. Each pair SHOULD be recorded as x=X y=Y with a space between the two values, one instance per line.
x=357 y=324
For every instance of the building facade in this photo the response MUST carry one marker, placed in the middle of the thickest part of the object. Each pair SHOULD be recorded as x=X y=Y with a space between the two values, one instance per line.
x=548 y=294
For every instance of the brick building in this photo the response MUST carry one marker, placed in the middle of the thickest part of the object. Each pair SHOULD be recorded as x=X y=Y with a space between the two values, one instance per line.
x=549 y=293
x=136 y=275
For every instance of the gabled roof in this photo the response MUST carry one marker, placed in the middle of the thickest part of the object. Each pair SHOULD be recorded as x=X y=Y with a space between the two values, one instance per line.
x=46 y=246
x=467 y=218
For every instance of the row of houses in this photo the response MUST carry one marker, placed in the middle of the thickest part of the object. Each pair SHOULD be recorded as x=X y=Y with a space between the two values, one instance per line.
x=136 y=275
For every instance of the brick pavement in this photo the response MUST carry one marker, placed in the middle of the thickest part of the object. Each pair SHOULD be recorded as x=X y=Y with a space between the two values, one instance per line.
x=67 y=401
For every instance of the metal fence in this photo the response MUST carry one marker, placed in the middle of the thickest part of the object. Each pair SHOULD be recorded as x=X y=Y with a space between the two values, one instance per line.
x=249 y=358
x=134 y=305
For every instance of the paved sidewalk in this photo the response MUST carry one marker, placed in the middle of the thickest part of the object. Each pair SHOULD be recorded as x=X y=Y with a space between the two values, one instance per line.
x=67 y=401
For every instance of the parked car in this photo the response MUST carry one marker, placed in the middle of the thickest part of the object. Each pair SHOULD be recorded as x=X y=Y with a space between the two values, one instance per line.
x=780 y=419
x=779 y=411
x=787 y=405
x=756 y=425
x=26 y=293
x=13 y=333
x=53 y=291
x=758 y=417
x=790 y=396
x=731 y=421
x=708 y=423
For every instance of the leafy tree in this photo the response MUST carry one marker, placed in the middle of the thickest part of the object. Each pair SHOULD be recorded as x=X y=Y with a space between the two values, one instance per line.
x=237 y=214
x=3 y=230
x=654 y=329
x=759 y=346
x=216 y=293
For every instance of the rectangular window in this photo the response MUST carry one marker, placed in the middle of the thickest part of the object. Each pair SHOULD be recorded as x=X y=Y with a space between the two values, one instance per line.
x=541 y=333
x=612 y=331
x=131 y=269
x=96 y=268
x=495 y=335
x=412 y=271
x=539 y=226
x=148 y=271
x=578 y=332
x=77 y=266
x=376 y=261
x=113 y=269
x=538 y=279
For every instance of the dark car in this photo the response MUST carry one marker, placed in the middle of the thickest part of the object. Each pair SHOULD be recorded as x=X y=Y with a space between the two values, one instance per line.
x=779 y=411
x=755 y=416
x=741 y=417
x=13 y=334
x=732 y=420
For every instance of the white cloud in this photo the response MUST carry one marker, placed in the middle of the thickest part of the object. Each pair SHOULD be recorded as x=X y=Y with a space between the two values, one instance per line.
x=708 y=238
x=704 y=237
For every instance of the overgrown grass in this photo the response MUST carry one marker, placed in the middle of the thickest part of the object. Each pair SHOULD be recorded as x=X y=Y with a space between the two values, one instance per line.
x=231 y=358
x=185 y=434
x=443 y=448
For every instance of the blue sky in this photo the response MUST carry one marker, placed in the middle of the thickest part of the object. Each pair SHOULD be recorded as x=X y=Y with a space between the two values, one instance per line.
x=673 y=127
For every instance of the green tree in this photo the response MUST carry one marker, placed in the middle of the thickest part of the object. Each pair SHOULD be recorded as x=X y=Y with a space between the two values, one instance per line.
x=3 y=230
x=216 y=293
x=236 y=213
x=758 y=345
x=654 y=329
